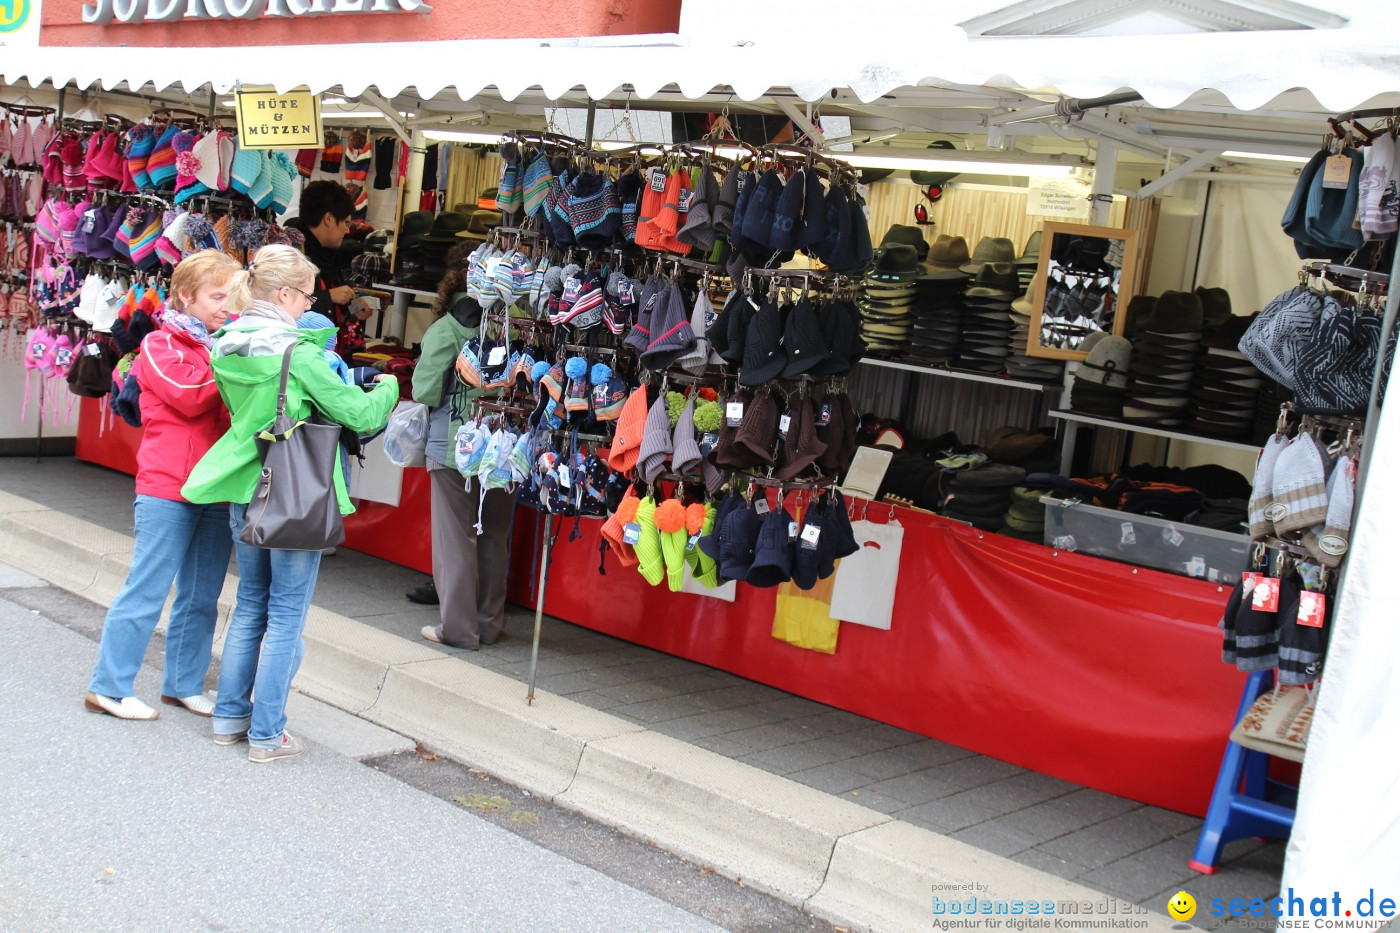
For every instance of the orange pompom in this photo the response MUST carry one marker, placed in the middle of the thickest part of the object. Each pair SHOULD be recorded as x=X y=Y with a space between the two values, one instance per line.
x=627 y=508
x=670 y=516
x=709 y=395
x=694 y=518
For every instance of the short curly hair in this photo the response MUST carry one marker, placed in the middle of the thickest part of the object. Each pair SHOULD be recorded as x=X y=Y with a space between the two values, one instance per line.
x=325 y=197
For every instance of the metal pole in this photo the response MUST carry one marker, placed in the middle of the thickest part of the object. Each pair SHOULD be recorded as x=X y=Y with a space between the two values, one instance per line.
x=1105 y=166
x=539 y=604
x=213 y=99
x=588 y=127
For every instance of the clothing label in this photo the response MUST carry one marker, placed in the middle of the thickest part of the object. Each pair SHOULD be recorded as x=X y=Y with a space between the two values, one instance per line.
x=687 y=195
x=1312 y=609
x=733 y=414
x=1128 y=534
x=1196 y=567
x=1336 y=172
x=1172 y=536
x=1266 y=595
x=564 y=479
x=496 y=357
x=761 y=506
x=708 y=440
x=91 y=349
x=783 y=423
x=824 y=415
x=1064 y=543
x=625 y=294
x=572 y=289
x=1333 y=545
x=657 y=180
x=89 y=221
x=631 y=533
x=690 y=543
x=1250 y=579
x=793 y=530
x=810 y=534
x=1276 y=512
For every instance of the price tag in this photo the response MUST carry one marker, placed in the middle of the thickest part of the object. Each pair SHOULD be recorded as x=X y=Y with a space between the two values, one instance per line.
x=91 y=349
x=1249 y=579
x=1266 y=595
x=733 y=414
x=1196 y=567
x=572 y=288
x=625 y=294
x=761 y=506
x=810 y=535
x=690 y=544
x=1172 y=536
x=564 y=479
x=793 y=530
x=631 y=533
x=687 y=195
x=89 y=220
x=1336 y=172
x=497 y=356
x=657 y=180
x=824 y=415
x=1128 y=534
x=1312 y=609
x=783 y=423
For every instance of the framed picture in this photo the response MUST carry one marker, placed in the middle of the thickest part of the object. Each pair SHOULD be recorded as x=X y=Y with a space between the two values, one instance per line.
x=1081 y=287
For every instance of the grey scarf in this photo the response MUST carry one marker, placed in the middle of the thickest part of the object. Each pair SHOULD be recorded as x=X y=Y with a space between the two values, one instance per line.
x=267 y=309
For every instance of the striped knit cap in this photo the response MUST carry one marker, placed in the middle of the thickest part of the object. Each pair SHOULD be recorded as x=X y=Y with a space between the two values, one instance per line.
x=1299 y=487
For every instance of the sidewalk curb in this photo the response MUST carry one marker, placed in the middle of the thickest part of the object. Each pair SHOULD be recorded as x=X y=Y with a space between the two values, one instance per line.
x=846 y=863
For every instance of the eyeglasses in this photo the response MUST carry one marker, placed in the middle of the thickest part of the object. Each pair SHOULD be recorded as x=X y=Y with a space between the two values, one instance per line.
x=309 y=299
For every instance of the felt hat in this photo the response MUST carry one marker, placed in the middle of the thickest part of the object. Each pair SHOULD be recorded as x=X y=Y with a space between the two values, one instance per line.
x=631 y=427
x=946 y=257
x=738 y=539
x=1215 y=306
x=445 y=227
x=908 y=235
x=1175 y=313
x=656 y=441
x=801 y=447
x=1109 y=363
x=894 y=264
x=802 y=340
x=1030 y=256
x=756 y=435
x=990 y=249
x=995 y=280
x=685 y=452
x=415 y=224
x=772 y=561
x=764 y=359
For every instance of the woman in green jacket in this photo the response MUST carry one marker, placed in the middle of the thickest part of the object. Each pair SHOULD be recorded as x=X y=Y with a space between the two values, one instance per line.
x=469 y=568
x=263 y=648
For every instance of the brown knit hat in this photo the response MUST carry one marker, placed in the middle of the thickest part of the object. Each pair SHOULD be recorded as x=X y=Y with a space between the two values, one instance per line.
x=724 y=454
x=802 y=447
x=759 y=430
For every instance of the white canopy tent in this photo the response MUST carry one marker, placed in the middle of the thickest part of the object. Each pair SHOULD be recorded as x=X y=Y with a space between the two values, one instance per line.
x=1263 y=91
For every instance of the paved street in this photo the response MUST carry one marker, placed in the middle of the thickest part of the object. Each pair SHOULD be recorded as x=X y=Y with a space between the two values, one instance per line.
x=110 y=825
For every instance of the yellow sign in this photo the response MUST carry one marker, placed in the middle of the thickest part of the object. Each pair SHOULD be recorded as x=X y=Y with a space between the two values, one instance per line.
x=13 y=14
x=268 y=120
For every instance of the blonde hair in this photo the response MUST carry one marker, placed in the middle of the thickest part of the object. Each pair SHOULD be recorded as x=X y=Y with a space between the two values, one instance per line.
x=206 y=267
x=273 y=267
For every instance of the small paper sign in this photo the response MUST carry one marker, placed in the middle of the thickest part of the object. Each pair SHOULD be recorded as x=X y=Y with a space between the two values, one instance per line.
x=269 y=120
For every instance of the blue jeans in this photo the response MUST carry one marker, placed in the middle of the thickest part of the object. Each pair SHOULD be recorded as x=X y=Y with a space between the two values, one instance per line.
x=263 y=648
x=179 y=543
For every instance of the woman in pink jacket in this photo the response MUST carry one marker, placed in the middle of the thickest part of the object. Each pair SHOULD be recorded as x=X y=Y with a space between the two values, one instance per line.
x=182 y=415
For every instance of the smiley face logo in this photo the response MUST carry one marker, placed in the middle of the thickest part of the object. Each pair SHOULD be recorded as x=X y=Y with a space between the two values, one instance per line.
x=1182 y=906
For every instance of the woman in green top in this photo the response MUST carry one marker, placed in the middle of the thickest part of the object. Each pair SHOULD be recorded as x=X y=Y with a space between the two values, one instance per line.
x=469 y=567
x=263 y=648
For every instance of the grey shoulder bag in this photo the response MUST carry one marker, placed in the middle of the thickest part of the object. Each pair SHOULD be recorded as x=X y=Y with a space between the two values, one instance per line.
x=294 y=507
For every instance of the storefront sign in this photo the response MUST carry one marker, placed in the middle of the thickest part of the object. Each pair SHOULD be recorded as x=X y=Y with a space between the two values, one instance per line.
x=1067 y=198
x=268 y=120
x=104 y=12
x=19 y=22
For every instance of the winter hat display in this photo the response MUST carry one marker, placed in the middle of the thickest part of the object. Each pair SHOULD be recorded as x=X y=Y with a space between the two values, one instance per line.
x=1164 y=361
x=887 y=297
x=984 y=342
x=1020 y=365
x=1227 y=390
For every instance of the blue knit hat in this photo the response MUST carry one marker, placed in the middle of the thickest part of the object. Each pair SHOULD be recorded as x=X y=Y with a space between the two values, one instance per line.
x=772 y=562
x=738 y=539
x=762 y=209
x=248 y=164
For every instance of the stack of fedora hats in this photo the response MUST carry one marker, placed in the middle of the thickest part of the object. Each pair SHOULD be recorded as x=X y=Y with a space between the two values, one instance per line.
x=937 y=325
x=990 y=249
x=982 y=496
x=1020 y=365
x=1164 y=361
x=986 y=322
x=887 y=297
x=1029 y=260
x=408 y=258
x=1227 y=391
x=441 y=237
x=1101 y=382
x=480 y=223
x=1025 y=519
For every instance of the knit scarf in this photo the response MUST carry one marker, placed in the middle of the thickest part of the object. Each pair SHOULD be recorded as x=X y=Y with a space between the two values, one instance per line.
x=267 y=309
x=174 y=319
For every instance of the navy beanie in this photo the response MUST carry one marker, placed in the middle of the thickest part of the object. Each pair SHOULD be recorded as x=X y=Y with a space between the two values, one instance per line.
x=772 y=560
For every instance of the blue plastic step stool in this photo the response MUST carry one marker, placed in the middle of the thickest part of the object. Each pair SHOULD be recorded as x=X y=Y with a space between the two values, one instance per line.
x=1246 y=801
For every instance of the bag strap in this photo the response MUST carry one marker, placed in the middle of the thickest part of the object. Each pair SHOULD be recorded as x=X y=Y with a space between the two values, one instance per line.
x=282 y=386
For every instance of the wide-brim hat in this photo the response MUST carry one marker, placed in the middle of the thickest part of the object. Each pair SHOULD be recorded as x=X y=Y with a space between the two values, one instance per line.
x=990 y=249
x=480 y=222
x=908 y=235
x=1030 y=256
x=415 y=225
x=445 y=227
x=946 y=257
x=897 y=262
x=1175 y=313
x=995 y=280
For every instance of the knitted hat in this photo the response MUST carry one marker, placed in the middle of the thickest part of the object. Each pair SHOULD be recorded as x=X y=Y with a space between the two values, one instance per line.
x=160 y=167
x=709 y=543
x=806 y=559
x=260 y=189
x=1329 y=542
x=535 y=184
x=357 y=159
x=248 y=164
x=787 y=216
x=802 y=340
x=801 y=447
x=764 y=359
x=670 y=524
x=699 y=230
x=1300 y=646
x=651 y=564
x=772 y=561
x=762 y=208
x=703 y=567
x=1299 y=487
x=282 y=183
x=656 y=441
x=141 y=140
x=698 y=359
x=840 y=333
x=835 y=247
x=685 y=452
x=627 y=439
x=722 y=217
x=614 y=528
x=756 y=435
x=813 y=213
x=738 y=538
x=671 y=335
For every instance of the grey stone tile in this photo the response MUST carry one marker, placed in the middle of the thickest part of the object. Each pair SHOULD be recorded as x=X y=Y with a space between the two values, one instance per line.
x=833 y=778
x=763 y=765
x=814 y=726
x=1146 y=826
x=838 y=720
x=1061 y=815
x=1091 y=848
x=594 y=700
x=947 y=815
x=705 y=682
x=1050 y=864
x=878 y=801
x=979 y=769
x=719 y=744
x=802 y=755
x=875 y=737
x=668 y=667
x=761 y=739
x=1128 y=879
x=1169 y=857
x=639 y=691
x=995 y=839
x=903 y=759
x=567 y=684
x=740 y=693
x=662 y=708
x=1009 y=795
x=791 y=707
x=917 y=788
x=749 y=717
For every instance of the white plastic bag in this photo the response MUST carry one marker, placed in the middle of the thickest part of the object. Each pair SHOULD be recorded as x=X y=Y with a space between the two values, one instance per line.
x=406 y=435
x=865 y=581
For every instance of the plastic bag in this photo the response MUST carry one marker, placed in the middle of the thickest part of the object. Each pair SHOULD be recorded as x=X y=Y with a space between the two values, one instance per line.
x=406 y=434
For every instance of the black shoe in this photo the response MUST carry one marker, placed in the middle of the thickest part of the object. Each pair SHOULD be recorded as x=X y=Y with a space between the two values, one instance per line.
x=425 y=594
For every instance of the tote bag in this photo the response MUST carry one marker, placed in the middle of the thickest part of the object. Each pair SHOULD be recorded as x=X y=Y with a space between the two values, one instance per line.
x=865 y=581
x=294 y=507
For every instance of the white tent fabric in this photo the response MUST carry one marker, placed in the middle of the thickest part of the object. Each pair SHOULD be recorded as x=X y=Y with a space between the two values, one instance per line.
x=1341 y=69
x=1346 y=836
x=1243 y=247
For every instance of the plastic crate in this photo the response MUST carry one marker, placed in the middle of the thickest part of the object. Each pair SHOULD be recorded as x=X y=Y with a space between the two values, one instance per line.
x=1176 y=547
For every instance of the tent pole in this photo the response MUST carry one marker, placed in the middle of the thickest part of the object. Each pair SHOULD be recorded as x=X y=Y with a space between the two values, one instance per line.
x=1105 y=167
x=539 y=604
x=588 y=127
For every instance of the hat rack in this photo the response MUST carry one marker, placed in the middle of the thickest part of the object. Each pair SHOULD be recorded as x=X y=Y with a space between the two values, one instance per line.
x=27 y=110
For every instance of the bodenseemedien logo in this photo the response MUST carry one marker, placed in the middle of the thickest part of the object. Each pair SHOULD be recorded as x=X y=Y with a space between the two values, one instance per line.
x=13 y=15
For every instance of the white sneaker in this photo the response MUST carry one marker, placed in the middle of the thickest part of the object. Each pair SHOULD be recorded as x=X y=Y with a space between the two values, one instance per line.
x=125 y=708
x=199 y=704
